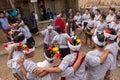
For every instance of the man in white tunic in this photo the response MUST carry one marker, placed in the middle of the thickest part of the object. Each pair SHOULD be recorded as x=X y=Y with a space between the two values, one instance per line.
x=48 y=34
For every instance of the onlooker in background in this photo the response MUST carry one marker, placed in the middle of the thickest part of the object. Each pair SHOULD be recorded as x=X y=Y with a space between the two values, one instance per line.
x=49 y=14
x=115 y=24
x=94 y=8
x=4 y=24
x=20 y=17
x=70 y=26
x=59 y=22
x=34 y=27
x=78 y=23
x=63 y=15
x=86 y=17
x=97 y=15
x=110 y=16
x=43 y=11
x=70 y=13
x=118 y=13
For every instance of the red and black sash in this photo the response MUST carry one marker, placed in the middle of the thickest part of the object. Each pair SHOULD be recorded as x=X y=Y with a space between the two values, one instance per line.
x=63 y=78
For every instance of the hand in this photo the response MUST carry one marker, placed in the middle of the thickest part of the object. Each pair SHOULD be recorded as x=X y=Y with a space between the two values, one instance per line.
x=20 y=61
x=38 y=71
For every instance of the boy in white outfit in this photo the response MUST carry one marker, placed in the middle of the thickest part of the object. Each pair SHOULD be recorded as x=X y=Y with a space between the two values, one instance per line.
x=115 y=24
x=15 y=53
x=33 y=71
x=111 y=35
x=110 y=16
x=98 y=72
x=100 y=25
x=25 y=30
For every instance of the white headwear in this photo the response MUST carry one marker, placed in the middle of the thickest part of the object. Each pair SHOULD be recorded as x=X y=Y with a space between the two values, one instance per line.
x=29 y=51
x=96 y=41
x=110 y=36
x=50 y=27
x=74 y=47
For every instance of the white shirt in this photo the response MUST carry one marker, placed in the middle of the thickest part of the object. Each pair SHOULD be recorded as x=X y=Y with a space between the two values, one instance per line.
x=62 y=40
x=86 y=17
x=68 y=61
x=98 y=72
x=97 y=17
x=114 y=49
x=110 y=18
x=100 y=27
x=78 y=19
x=13 y=65
x=115 y=26
x=80 y=73
x=48 y=37
x=26 y=32
x=54 y=76
x=91 y=23
x=29 y=65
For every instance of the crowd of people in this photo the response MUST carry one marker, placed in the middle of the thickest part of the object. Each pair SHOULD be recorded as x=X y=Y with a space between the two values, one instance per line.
x=62 y=43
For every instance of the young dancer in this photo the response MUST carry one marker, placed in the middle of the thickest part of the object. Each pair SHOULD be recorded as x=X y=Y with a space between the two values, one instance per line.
x=24 y=29
x=61 y=40
x=15 y=53
x=48 y=34
x=89 y=29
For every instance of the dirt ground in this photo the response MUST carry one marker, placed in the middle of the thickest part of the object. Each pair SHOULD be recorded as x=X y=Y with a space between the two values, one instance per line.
x=5 y=73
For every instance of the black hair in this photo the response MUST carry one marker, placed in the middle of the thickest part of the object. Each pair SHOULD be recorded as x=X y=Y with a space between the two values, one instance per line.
x=88 y=9
x=103 y=16
x=92 y=15
x=49 y=54
x=112 y=9
x=58 y=30
x=101 y=38
x=112 y=31
x=18 y=37
x=117 y=17
x=98 y=10
x=1 y=12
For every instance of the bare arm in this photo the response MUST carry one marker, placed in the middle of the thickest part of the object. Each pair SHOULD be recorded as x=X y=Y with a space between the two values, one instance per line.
x=20 y=62
x=11 y=53
x=104 y=56
x=17 y=76
x=53 y=69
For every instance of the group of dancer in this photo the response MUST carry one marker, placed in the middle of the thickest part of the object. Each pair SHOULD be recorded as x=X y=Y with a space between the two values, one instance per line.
x=62 y=51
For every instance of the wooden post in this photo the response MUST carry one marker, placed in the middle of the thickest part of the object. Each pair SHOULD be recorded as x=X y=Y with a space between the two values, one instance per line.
x=12 y=3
